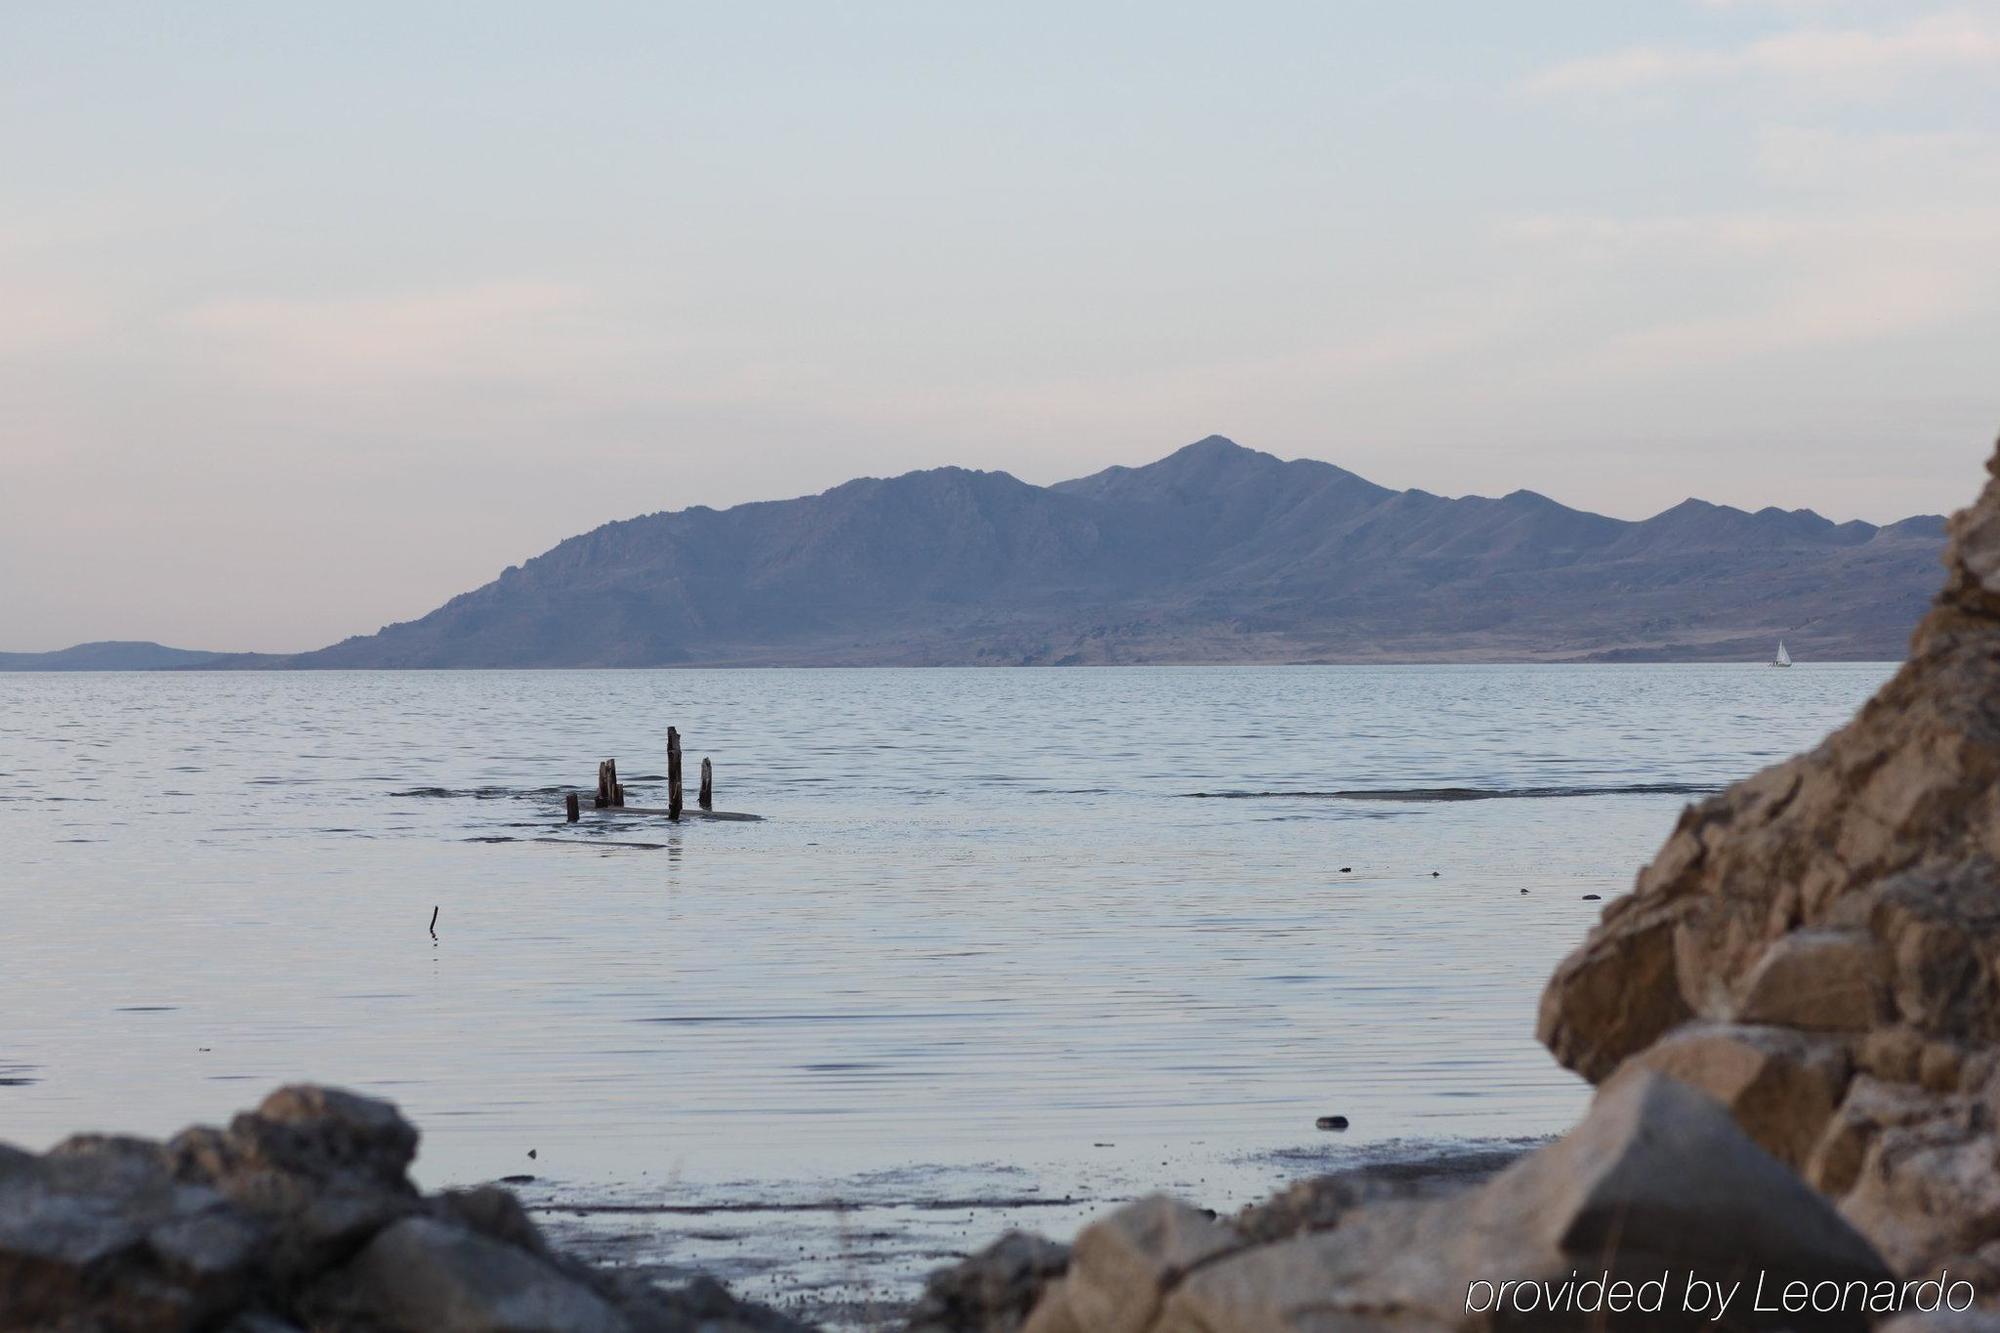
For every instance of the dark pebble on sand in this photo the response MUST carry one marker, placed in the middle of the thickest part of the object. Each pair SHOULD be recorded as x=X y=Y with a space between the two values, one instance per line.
x=1330 y=1122
x=1347 y=870
x=1593 y=897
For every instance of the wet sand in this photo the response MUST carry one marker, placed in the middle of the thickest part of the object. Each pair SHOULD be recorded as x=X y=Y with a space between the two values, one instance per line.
x=857 y=1259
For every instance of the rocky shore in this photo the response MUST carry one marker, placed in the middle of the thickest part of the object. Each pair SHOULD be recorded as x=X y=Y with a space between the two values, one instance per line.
x=1793 y=1022
x=300 y=1216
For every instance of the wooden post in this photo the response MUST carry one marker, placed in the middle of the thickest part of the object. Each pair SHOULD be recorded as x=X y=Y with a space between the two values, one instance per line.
x=603 y=783
x=569 y=807
x=707 y=797
x=673 y=773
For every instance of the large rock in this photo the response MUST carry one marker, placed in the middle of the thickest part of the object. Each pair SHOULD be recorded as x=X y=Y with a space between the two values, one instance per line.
x=99 y=1232
x=425 y=1276
x=1124 y=1265
x=1852 y=895
x=299 y=1216
x=1657 y=1179
x=992 y=1291
x=1781 y=1086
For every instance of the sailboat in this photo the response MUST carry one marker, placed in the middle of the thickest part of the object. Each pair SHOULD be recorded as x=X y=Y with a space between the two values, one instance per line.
x=1783 y=658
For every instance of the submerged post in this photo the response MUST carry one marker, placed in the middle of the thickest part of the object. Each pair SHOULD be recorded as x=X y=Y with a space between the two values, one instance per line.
x=673 y=773
x=569 y=807
x=608 y=790
x=707 y=798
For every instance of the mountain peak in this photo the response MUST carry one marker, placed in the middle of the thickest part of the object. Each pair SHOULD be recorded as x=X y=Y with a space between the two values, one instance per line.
x=1213 y=450
x=1215 y=444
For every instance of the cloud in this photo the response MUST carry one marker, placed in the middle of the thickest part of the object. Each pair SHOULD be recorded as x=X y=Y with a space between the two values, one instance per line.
x=1952 y=163
x=1788 y=283
x=1957 y=41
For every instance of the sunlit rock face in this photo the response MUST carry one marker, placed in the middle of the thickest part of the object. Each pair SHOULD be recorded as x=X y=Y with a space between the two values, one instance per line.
x=1818 y=946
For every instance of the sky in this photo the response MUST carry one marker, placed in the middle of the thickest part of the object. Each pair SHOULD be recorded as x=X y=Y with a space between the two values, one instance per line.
x=314 y=316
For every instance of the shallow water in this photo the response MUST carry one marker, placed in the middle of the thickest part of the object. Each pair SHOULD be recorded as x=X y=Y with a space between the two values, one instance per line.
x=983 y=948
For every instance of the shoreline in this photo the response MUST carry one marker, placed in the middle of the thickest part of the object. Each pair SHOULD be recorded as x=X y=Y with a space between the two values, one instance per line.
x=859 y=1262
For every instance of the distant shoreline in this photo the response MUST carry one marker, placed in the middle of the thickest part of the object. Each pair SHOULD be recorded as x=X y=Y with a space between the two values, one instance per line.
x=67 y=662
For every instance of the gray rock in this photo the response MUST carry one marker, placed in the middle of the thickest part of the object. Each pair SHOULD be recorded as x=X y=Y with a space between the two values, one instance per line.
x=992 y=1291
x=426 y=1276
x=494 y=1213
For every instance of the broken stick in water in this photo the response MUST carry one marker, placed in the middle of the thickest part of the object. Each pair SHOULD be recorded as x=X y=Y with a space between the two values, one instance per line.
x=707 y=797
x=673 y=773
x=434 y=922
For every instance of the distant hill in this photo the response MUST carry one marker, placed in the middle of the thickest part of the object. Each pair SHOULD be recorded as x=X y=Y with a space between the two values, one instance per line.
x=109 y=656
x=1216 y=553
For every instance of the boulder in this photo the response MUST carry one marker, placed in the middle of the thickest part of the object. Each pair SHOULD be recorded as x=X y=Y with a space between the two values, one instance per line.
x=1782 y=1086
x=1322 y=1202
x=99 y=1231
x=1871 y=1106
x=1819 y=980
x=1124 y=1264
x=1928 y=1190
x=992 y=1291
x=426 y=1276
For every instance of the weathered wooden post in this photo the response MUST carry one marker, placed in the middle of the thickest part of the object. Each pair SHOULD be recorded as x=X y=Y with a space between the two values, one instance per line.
x=707 y=798
x=673 y=773
x=608 y=790
x=569 y=807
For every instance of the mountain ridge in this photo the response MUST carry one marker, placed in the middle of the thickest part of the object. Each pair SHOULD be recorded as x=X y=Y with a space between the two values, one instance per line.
x=1215 y=553
x=116 y=655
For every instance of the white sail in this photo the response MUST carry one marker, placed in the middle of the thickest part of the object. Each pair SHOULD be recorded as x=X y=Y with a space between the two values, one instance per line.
x=1784 y=658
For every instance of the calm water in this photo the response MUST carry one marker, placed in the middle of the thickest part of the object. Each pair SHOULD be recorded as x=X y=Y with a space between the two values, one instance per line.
x=986 y=943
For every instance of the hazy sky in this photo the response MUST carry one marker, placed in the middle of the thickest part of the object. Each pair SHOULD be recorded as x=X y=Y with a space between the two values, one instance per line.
x=311 y=316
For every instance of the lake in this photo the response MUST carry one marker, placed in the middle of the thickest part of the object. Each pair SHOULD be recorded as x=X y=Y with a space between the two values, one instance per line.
x=1007 y=945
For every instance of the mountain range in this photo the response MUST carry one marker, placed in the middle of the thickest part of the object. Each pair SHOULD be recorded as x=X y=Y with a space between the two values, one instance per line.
x=1216 y=553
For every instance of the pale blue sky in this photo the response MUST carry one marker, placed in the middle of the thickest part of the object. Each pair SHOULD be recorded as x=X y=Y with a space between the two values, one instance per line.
x=313 y=316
